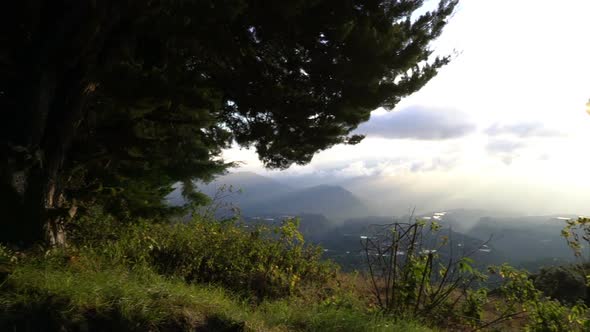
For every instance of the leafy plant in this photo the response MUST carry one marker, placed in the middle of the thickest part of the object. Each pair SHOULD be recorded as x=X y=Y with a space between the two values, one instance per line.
x=7 y=256
x=472 y=306
x=566 y=284
x=552 y=316
x=7 y=260
x=261 y=261
x=519 y=295
x=407 y=274
x=218 y=206
x=576 y=232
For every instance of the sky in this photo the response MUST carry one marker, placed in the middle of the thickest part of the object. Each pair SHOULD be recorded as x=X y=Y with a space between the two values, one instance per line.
x=503 y=126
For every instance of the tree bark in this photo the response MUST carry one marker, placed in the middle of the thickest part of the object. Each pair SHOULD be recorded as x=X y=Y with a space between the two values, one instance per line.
x=54 y=228
x=54 y=82
x=60 y=134
x=31 y=186
x=51 y=130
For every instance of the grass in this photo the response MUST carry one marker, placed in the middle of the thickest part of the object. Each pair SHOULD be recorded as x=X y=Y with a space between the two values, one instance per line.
x=74 y=298
x=211 y=276
x=85 y=293
x=299 y=317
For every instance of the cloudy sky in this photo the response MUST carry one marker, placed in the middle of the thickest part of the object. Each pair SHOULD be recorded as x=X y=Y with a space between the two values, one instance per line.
x=503 y=126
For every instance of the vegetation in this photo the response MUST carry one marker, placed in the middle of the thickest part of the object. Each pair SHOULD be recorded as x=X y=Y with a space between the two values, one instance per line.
x=209 y=275
x=258 y=261
x=53 y=297
x=113 y=102
x=412 y=277
x=148 y=277
x=566 y=283
x=108 y=106
x=407 y=275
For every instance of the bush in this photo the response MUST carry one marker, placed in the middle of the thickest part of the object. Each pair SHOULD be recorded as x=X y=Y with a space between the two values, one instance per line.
x=552 y=316
x=6 y=256
x=564 y=283
x=543 y=314
x=409 y=277
x=255 y=261
x=7 y=260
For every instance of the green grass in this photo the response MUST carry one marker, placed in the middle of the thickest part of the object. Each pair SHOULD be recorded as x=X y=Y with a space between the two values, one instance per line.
x=66 y=297
x=87 y=294
x=301 y=316
x=155 y=277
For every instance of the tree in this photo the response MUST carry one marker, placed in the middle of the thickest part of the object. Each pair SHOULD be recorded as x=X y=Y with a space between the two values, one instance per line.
x=141 y=94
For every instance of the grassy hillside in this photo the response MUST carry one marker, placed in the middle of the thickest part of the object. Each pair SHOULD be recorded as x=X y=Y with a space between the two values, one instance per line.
x=206 y=275
x=86 y=296
x=198 y=276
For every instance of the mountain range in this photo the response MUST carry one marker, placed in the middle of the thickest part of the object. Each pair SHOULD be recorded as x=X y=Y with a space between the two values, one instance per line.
x=331 y=213
x=257 y=195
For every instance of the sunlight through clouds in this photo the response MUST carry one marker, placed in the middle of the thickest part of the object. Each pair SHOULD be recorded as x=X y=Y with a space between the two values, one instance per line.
x=507 y=117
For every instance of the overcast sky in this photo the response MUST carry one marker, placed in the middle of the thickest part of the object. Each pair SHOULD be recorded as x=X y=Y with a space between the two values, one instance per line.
x=503 y=125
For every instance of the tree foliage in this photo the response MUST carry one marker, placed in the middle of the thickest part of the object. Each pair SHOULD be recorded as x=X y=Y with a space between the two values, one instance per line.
x=112 y=102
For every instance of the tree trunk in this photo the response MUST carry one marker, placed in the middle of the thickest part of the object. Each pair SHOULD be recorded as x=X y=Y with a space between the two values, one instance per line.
x=68 y=111
x=53 y=80
x=54 y=227
x=33 y=190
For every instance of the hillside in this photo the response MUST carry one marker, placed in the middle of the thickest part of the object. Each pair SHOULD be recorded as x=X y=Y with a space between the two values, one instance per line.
x=333 y=202
x=259 y=195
x=525 y=238
x=250 y=188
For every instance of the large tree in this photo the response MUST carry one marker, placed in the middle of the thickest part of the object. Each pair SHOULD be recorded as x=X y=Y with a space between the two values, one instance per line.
x=123 y=98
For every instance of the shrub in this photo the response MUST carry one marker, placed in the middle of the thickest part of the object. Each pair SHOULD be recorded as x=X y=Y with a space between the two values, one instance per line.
x=257 y=261
x=473 y=306
x=7 y=259
x=410 y=279
x=408 y=276
x=564 y=283
x=518 y=293
x=552 y=316
x=6 y=256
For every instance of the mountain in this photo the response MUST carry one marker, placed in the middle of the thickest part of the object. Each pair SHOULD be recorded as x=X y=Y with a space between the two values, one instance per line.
x=463 y=220
x=333 y=202
x=259 y=195
x=525 y=238
x=250 y=188
x=529 y=241
x=247 y=189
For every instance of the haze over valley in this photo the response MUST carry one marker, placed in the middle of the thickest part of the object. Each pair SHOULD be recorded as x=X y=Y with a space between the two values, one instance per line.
x=334 y=215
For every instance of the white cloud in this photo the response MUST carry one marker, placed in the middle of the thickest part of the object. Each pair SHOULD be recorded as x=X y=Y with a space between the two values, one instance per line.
x=524 y=82
x=419 y=122
x=499 y=146
x=523 y=129
x=357 y=168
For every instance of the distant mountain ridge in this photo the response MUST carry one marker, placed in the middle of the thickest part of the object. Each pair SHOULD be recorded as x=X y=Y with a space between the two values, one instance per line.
x=333 y=214
x=259 y=195
x=334 y=202
x=249 y=188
